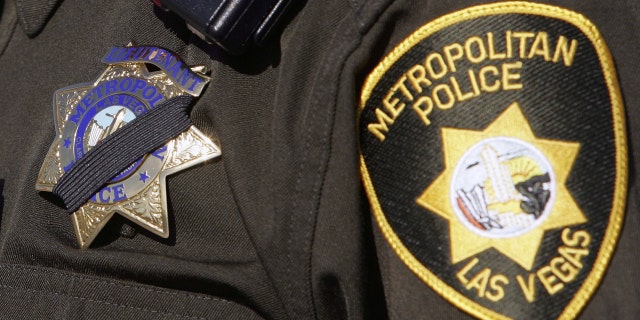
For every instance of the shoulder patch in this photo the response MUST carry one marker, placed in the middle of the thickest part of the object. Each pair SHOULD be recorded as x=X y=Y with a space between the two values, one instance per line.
x=493 y=153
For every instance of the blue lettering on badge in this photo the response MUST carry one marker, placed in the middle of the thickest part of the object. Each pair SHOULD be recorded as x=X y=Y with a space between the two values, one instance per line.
x=170 y=63
x=110 y=194
x=104 y=109
x=159 y=153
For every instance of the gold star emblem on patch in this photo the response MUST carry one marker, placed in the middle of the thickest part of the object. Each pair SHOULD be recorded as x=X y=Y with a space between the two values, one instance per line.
x=502 y=188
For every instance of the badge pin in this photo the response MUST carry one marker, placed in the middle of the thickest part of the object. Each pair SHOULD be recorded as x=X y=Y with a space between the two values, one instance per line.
x=86 y=113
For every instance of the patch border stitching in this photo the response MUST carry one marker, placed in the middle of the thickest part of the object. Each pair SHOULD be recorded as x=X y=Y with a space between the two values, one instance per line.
x=603 y=258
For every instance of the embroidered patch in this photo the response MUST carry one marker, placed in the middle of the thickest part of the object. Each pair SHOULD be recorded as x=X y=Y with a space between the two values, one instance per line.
x=493 y=153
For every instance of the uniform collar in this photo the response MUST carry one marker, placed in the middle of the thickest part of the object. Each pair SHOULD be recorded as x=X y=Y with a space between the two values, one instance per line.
x=34 y=14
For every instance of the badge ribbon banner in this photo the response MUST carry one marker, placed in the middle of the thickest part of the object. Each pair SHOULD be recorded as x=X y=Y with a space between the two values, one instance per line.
x=87 y=113
x=179 y=73
x=493 y=152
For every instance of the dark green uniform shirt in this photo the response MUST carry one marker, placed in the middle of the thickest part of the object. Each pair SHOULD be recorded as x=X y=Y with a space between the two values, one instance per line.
x=278 y=227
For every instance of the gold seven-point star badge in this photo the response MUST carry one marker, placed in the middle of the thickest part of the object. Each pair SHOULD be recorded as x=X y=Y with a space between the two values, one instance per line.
x=85 y=114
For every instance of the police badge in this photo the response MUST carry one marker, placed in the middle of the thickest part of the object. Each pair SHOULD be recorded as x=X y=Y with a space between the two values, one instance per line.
x=87 y=113
x=493 y=153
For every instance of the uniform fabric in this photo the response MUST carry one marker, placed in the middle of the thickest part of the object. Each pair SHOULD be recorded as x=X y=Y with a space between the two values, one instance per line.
x=277 y=227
